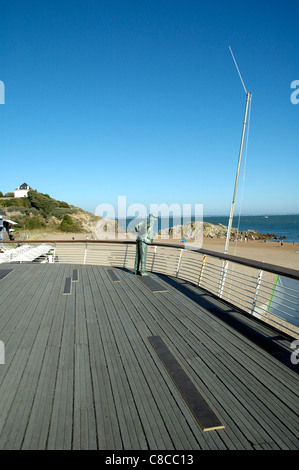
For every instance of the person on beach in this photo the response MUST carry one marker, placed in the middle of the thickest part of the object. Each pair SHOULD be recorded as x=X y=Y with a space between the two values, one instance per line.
x=145 y=237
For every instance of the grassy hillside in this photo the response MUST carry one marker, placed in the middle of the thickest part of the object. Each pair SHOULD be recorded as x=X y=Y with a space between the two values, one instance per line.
x=39 y=211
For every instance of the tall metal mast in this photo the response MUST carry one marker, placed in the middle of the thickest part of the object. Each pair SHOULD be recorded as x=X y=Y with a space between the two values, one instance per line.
x=248 y=98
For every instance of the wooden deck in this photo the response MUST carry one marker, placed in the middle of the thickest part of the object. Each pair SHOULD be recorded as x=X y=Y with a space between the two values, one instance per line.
x=81 y=373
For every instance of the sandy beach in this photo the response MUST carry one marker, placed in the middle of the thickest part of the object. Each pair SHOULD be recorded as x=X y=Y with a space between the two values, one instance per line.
x=286 y=255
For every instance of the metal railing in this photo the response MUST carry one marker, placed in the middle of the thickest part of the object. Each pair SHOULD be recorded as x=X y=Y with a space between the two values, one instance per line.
x=249 y=285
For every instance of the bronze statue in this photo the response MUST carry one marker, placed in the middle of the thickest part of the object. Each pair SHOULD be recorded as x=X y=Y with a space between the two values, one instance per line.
x=145 y=237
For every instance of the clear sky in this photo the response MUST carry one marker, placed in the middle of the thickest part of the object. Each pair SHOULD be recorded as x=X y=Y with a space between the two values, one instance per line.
x=141 y=98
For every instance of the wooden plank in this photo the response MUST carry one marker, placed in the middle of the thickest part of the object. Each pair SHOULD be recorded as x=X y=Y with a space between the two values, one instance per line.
x=61 y=425
x=153 y=285
x=75 y=277
x=84 y=435
x=113 y=276
x=4 y=273
x=67 y=286
x=203 y=413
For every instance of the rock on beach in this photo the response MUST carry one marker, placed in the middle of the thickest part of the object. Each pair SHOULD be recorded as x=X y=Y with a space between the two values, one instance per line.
x=195 y=229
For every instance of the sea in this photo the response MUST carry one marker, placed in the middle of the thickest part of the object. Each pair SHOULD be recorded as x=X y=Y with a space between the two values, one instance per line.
x=286 y=226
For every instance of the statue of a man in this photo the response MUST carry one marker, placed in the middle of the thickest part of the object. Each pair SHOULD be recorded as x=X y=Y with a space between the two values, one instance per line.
x=145 y=230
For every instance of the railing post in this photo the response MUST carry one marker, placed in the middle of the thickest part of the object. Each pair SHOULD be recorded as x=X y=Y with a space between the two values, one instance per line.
x=222 y=280
x=85 y=253
x=259 y=280
x=125 y=258
x=154 y=256
x=201 y=269
x=179 y=263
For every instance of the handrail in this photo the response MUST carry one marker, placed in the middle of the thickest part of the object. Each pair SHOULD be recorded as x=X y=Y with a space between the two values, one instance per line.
x=279 y=270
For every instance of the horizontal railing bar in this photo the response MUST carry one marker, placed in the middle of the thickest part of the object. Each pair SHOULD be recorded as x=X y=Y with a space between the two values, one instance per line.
x=232 y=291
x=209 y=275
x=263 y=298
x=240 y=275
x=242 y=280
x=285 y=306
x=285 y=289
x=207 y=282
x=279 y=294
x=244 y=291
x=290 y=297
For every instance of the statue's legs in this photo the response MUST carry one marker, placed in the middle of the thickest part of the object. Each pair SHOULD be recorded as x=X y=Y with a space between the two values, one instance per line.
x=140 y=258
x=137 y=257
x=143 y=253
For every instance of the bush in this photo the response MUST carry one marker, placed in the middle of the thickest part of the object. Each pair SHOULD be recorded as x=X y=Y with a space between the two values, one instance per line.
x=63 y=204
x=33 y=223
x=43 y=203
x=68 y=225
x=27 y=222
x=16 y=202
x=23 y=210
x=59 y=212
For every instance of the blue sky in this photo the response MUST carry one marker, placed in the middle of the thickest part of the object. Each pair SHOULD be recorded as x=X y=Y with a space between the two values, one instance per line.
x=136 y=98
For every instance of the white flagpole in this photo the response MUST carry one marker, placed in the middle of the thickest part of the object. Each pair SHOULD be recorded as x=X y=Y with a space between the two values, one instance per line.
x=248 y=98
x=237 y=176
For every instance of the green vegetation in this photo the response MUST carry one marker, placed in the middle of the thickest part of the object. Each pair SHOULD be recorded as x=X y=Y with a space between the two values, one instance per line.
x=33 y=223
x=40 y=211
x=6 y=195
x=42 y=202
x=16 y=202
x=59 y=212
x=68 y=225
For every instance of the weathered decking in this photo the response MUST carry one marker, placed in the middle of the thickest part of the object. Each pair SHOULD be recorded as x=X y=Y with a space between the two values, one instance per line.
x=81 y=372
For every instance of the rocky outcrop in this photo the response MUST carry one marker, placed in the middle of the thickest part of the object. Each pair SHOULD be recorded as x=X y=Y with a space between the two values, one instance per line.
x=195 y=229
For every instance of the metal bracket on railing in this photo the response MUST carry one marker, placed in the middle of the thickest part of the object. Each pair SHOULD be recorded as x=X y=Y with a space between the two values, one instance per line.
x=259 y=280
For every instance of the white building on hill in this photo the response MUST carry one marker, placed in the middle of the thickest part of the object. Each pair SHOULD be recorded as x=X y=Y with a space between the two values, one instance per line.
x=22 y=190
